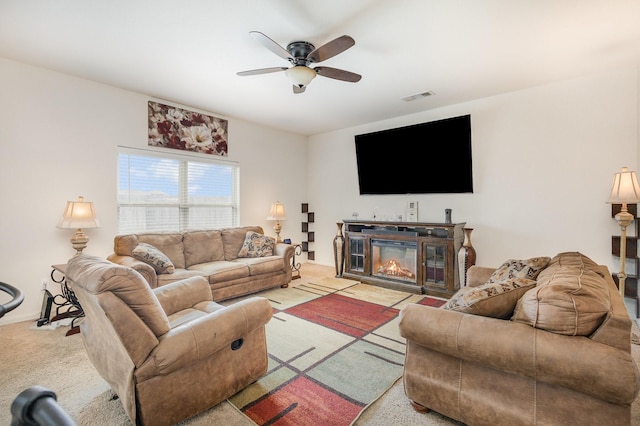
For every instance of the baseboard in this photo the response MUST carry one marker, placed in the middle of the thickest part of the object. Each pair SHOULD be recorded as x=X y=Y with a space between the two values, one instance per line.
x=12 y=318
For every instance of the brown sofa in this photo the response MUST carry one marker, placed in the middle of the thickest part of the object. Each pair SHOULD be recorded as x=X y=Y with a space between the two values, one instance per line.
x=212 y=254
x=525 y=349
x=169 y=353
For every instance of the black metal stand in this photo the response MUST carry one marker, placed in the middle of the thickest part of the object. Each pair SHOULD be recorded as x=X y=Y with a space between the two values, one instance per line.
x=295 y=266
x=66 y=299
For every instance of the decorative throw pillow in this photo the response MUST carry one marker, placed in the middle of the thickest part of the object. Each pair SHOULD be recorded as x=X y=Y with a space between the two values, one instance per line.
x=256 y=245
x=154 y=257
x=496 y=300
x=513 y=268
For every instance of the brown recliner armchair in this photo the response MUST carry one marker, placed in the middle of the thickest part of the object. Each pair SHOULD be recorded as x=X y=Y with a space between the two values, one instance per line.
x=171 y=352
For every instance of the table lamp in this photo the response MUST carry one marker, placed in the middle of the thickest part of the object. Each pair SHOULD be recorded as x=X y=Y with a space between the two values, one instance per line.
x=77 y=215
x=276 y=212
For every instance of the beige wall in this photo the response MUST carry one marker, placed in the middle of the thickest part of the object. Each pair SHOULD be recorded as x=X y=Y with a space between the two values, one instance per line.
x=543 y=162
x=58 y=140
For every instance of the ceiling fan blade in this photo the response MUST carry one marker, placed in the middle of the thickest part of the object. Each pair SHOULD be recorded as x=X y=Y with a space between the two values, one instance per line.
x=298 y=89
x=331 y=49
x=271 y=45
x=261 y=71
x=338 y=74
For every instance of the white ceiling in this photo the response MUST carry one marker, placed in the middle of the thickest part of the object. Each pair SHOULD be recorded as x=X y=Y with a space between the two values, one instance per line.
x=189 y=51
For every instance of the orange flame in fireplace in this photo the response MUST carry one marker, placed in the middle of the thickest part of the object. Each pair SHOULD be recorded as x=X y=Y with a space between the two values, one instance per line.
x=392 y=268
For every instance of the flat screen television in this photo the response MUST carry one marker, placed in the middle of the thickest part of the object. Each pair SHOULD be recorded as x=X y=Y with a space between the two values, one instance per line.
x=427 y=158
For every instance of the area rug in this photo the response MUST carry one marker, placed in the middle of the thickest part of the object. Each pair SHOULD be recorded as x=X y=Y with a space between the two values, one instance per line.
x=334 y=347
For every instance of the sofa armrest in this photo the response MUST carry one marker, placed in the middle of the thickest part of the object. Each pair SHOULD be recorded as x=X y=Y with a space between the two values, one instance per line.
x=204 y=336
x=478 y=275
x=573 y=362
x=183 y=294
x=146 y=270
x=286 y=251
x=616 y=327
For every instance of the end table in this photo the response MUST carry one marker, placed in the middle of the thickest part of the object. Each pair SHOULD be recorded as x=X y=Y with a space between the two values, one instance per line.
x=295 y=266
x=66 y=299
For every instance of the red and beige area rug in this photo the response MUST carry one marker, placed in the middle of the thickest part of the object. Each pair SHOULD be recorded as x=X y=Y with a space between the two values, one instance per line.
x=334 y=347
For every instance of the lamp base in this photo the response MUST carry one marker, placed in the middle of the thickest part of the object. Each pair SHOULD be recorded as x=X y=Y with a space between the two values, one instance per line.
x=79 y=241
x=277 y=228
x=624 y=219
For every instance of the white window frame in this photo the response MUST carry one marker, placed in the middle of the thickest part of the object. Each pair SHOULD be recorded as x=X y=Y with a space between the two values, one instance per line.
x=229 y=206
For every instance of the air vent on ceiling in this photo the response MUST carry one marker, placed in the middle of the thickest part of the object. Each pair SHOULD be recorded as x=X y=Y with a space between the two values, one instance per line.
x=418 y=96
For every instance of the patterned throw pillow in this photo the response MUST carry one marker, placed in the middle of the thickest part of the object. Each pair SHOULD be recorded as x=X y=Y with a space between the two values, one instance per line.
x=154 y=257
x=513 y=268
x=257 y=245
x=496 y=300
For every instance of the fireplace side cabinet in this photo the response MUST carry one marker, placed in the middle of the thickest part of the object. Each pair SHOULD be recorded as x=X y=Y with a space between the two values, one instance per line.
x=429 y=267
x=354 y=254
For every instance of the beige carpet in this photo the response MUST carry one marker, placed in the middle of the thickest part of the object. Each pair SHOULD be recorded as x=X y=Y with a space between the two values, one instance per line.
x=41 y=356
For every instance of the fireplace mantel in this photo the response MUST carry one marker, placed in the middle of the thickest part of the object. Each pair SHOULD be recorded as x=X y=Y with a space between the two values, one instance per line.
x=432 y=247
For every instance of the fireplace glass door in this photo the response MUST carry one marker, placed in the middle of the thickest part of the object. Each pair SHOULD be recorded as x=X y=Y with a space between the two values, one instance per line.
x=355 y=260
x=435 y=261
x=395 y=260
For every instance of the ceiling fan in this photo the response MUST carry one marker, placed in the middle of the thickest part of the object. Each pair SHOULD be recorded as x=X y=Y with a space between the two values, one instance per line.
x=301 y=54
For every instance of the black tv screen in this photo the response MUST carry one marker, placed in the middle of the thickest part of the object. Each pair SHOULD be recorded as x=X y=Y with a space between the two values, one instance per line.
x=426 y=158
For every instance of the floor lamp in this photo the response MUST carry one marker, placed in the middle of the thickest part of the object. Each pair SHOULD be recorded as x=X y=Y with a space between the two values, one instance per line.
x=625 y=190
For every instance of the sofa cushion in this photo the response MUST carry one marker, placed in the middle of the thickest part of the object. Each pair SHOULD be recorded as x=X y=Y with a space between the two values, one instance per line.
x=571 y=297
x=179 y=274
x=514 y=268
x=575 y=258
x=233 y=239
x=256 y=245
x=202 y=246
x=262 y=265
x=154 y=257
x=496 y=300
x=221 y=271
x=170 y=243
x=123 y=245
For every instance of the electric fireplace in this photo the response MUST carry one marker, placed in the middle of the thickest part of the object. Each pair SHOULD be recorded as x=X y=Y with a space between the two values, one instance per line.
x=394 y=259
x=415 y=257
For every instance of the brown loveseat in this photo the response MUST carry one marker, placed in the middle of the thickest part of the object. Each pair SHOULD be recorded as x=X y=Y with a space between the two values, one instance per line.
x=516 y=349
x=169 y=353
x=213 y=254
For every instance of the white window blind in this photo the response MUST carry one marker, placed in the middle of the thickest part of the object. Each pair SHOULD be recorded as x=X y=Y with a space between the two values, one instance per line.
x=158 y=192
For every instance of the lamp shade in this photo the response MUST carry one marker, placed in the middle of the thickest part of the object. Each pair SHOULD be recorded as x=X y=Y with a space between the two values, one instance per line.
x=79 y=214
x=300 y=75
x=625 y=188
x=276 y=212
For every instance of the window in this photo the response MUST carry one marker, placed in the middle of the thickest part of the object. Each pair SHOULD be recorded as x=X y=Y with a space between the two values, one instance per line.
x=162 y=192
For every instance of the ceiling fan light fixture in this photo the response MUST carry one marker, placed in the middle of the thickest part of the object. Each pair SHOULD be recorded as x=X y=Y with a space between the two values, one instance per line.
x=300 y=54
x=300 y=75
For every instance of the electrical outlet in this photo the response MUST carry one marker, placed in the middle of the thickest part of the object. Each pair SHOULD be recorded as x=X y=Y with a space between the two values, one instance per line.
x=43 y=284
